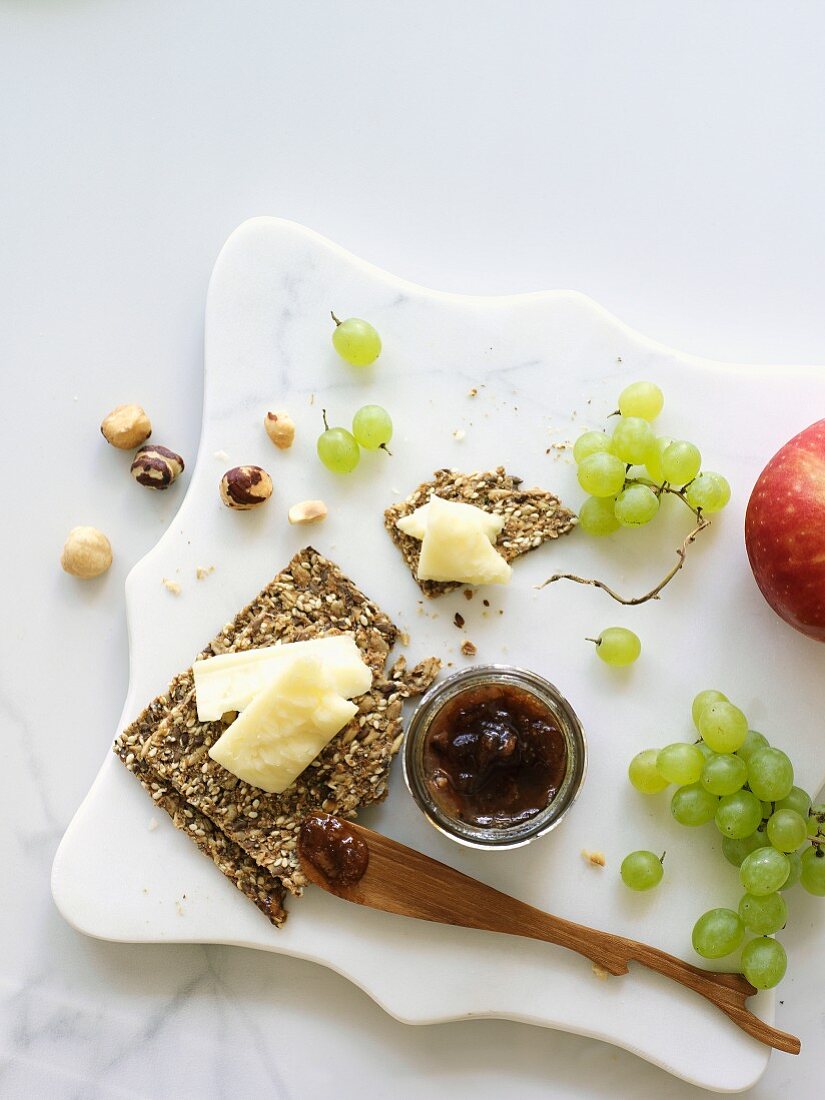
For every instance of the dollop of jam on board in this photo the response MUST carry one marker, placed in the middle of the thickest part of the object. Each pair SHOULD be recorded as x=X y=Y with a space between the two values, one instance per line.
x=333 y=849
x=494 y=756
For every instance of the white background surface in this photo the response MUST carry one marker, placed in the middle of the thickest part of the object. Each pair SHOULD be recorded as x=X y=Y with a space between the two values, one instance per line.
x=666 y=160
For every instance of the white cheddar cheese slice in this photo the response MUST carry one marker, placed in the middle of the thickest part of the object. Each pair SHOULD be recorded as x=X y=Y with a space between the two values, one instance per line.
x=457 y=543
x=284 y=727
x=231 y=680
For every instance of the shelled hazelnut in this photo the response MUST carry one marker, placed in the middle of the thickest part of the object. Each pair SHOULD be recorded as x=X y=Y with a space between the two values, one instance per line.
x=280 y=429
x=156 y=467
x=86 y=553
x=245 y=487
x=126 y=427
x=308 y=511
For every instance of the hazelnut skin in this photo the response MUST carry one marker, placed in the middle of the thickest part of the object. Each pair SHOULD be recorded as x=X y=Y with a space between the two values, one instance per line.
x=245 y=487
x=86 y=553
x=156 y=467
x=126 y=427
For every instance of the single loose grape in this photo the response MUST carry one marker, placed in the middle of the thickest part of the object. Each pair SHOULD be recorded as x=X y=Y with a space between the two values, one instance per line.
x=795 y=860
x=724 y=773
x=596 y=516
x=632 y=439
x=636 y=505
x=681 y=462
x=764 y=962
x=734 y=849
x=590 y=443
x=356 y=341
x=704 y=699
x=812 y=875
x=338 y=450
x=764 y=871
x=643 y=773
x=653 y=462
x=708 y=491
x=693 y=805
x=753 y=741
x=763 y=915
x=372 y=427
x=643 y=399
x=617 y=646
x=738 y=814
x=723 y=726
x=787 y=830
x=601 y=474
x=796 y=799
x=717 y=933
x=770 y=774
x=680 y=763
x=641 y=870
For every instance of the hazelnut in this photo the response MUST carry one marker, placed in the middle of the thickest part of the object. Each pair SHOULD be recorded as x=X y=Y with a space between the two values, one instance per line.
x=156 y=466
x=280 y=429
x=126 y=427
x=245 y=487
x=308 y=511
x=86 y=553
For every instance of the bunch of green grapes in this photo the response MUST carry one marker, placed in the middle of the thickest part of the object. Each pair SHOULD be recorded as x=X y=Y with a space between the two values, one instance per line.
x=770 y=830
x=626 y=473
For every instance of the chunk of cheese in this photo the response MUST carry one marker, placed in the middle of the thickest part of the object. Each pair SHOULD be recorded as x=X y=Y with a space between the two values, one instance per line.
x=456 y=543
x=231 y=680
x=285 y=726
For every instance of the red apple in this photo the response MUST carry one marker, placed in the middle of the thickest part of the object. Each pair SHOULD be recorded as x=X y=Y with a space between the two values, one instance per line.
x=785 y=532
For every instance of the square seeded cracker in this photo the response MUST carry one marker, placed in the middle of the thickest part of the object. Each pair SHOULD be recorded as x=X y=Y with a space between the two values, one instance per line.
x=531 y=516
x=310 y=597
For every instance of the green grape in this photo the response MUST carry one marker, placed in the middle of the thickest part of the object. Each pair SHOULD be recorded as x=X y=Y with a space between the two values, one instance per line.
x=724 y=773
x=767 y=809
x=643 y=399
x=752 y=742
x=643 y=773
x=693 y=805
x=632 y=439
x=812 y=874
x=763 y=915
x=679 y=763
x=717 y=933
x=636 y=505
x=653 y=462
x=796 y=799
x=704 y=699
x=338 y=450
x=590 y=443
x=709 y=491
x=734 y=849
x=601 y=474
x=372 y=427
x=764 y=871
x=356 y=341
x=795 y=860
x=723 y=726
x=787 y=830
x=705 y=750
x=596 y=516
x=641 y=870
x=764 y=962
x=770 y=774
x=739 y=814
x=681 y=462
x=618 y=646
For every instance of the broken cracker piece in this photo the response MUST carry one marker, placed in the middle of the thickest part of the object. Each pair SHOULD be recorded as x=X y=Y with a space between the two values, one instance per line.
x=171 y=586
x=468 y=648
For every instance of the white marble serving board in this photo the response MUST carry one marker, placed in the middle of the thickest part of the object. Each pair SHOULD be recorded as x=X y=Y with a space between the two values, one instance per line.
x=546 y=366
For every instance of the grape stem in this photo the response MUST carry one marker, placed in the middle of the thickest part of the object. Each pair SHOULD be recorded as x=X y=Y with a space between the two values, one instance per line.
x=335 y=319
x=326 y=422
x=654 y=593
x=384 y=447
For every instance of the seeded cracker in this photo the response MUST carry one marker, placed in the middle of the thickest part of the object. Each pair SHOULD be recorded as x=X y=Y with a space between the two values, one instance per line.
x=531 y=516
x=308 y=598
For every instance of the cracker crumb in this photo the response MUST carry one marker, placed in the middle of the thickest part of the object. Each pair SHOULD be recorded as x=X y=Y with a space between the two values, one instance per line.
x=486 y=603
x=179 y=908
x=221 y=456
x=312 y=399
x=473 y=392
x=600 y=972
x=468 y=593
x=404 y=638
x=171 y=586
x=596 y=859
x=153 y=824
x=203 y=571
x=459 y=434
x=458 y=619
x=468 y=649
